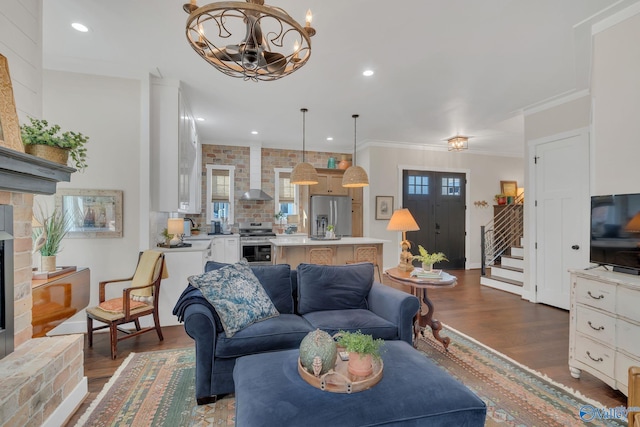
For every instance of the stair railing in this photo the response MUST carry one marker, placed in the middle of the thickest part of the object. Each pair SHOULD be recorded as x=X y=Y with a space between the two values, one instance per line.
x=502 y=232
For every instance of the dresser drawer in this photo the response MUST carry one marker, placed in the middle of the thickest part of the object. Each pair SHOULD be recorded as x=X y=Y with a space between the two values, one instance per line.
x=596 y=294
x=594 y=354
x=623 y=362
x=627 y=303
x=628 y=337
x=596 y=325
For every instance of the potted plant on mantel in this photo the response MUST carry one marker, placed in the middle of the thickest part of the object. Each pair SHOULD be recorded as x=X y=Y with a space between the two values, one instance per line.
x=428 y=259
x=48 y=235
x=362 y=350
x=49 y=142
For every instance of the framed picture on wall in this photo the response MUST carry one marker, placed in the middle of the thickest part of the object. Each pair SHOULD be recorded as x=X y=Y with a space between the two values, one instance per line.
x=509 y=188
x=384 y=207
x=94 y=213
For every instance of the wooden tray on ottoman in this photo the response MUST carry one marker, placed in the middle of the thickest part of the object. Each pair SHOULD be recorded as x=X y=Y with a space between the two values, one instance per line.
x=339 y=380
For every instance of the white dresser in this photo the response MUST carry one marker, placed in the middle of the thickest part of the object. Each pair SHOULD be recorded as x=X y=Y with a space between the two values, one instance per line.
x=604 y=335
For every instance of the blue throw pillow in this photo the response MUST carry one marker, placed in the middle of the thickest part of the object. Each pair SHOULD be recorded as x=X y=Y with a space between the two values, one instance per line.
x=236 y=294
x=275 y=279
x=333 y=287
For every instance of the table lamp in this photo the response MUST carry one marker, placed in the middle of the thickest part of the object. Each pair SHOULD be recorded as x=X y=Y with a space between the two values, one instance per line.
x=402 y=220
x=175 y=226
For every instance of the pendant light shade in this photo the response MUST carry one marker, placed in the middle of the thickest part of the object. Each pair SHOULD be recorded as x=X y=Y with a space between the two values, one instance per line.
x=355 y=176
x=304 y=173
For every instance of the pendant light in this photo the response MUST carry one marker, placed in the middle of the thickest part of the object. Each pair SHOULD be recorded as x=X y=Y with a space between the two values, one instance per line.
x=355 y=176
x=304 y=173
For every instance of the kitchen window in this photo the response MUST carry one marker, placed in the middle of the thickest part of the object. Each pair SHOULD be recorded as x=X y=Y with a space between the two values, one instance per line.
x=286 y=197
x=220 y=191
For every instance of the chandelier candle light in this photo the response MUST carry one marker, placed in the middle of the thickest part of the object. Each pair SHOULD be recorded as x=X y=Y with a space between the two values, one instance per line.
x=249 y=39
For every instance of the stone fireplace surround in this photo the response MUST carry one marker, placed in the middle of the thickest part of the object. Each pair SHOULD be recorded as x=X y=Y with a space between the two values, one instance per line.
x=42 y=382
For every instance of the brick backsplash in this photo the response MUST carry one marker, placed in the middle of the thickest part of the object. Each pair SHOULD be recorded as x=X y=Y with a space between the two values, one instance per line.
x=254 y=211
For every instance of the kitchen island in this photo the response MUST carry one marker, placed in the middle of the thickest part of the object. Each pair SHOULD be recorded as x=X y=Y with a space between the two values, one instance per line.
x=297 y=250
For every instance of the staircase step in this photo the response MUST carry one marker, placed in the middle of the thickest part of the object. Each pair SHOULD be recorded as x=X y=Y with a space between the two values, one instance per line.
x=507 y=285
x=506 y=272
x=517 y=251
x=512 y=261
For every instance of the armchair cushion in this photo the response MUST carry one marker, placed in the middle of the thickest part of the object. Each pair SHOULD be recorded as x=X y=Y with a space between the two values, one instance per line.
x=237 y=295
x=333 y=287
x=115 y=305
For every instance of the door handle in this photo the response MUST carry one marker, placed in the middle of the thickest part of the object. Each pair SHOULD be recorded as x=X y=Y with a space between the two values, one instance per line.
x=575 y=247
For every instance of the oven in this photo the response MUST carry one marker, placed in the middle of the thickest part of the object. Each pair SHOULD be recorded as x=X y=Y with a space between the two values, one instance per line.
x=254 y=242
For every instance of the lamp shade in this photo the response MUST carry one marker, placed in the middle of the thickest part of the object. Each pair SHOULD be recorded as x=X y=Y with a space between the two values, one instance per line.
x=402 y=220
x=355 y=177
x=175 y=226
x=304 y=174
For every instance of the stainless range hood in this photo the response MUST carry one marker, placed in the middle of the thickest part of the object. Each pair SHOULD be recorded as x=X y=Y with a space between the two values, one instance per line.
x=255 y=175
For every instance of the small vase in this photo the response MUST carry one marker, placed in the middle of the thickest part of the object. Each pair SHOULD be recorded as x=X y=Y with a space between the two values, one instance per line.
x=48 y=263
x=427 y=267
x=360 y=365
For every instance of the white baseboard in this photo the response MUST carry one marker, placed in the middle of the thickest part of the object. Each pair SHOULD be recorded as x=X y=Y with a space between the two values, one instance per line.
x=66 y=409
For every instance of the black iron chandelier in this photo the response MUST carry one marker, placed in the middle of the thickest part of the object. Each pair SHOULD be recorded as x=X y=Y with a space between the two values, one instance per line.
x=249 y=39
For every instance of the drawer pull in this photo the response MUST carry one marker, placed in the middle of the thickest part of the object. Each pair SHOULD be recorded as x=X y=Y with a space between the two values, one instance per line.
x=599 y=328
x=599 y=359
x=591 y=295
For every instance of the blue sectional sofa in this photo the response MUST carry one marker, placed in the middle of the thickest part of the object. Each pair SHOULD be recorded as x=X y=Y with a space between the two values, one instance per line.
x=330 y=298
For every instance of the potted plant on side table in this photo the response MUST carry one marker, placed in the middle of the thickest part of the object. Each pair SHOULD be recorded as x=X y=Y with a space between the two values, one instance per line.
x=362 y=350
x=428 y=259
x=49 y=142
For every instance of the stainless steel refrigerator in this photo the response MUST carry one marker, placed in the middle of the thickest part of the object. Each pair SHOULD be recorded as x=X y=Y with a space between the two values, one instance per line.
x=330 y=210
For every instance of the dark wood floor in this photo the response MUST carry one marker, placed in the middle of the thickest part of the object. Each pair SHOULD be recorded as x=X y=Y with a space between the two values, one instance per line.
x=535 y=335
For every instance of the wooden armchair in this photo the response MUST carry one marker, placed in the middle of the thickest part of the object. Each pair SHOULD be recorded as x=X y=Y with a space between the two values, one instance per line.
x=634 y=396
x=145 y=284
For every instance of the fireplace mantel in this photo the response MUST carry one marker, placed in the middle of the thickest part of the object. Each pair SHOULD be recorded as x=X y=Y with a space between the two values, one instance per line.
x=24 y=173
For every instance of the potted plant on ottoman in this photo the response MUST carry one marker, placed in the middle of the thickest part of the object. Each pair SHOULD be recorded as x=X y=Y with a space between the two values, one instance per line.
x=428 y=259
x=361 y=348
x=42 y=140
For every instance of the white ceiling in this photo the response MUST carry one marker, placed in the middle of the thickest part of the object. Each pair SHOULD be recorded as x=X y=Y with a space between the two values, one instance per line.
x=442 y=67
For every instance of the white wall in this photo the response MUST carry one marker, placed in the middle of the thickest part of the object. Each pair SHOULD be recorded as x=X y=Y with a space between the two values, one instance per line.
x=21 y=43
x=108 y=110
x=616 y=105
x=484 y=174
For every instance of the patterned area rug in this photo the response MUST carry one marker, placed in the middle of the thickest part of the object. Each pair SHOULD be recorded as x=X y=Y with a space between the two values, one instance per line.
x=157 y=389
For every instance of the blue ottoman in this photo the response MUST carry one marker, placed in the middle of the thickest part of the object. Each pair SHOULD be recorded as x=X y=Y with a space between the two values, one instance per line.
x=412 y=392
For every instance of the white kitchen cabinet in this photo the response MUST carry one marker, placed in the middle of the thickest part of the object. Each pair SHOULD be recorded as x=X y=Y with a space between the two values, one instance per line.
x=604 y=332
x=226 y=249
x=175 y=151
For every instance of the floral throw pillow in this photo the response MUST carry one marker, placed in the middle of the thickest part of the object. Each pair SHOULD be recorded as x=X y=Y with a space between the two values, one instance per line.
x=236 y=294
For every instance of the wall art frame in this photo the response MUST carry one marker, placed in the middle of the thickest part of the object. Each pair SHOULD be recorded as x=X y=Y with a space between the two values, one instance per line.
x=95 y=213
x=384 y=207
x=509 y=188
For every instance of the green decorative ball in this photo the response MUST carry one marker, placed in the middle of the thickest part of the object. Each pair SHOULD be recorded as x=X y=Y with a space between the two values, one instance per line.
x=318 y=344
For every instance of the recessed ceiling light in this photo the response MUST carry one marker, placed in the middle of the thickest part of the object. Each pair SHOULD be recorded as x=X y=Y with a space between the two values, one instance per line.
x=80 y=27
x=200 y=119
x=367 y=73
x=329 y=138
x=254 y=132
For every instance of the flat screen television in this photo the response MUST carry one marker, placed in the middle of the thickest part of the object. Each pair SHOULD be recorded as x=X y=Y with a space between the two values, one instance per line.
x=615 y=232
